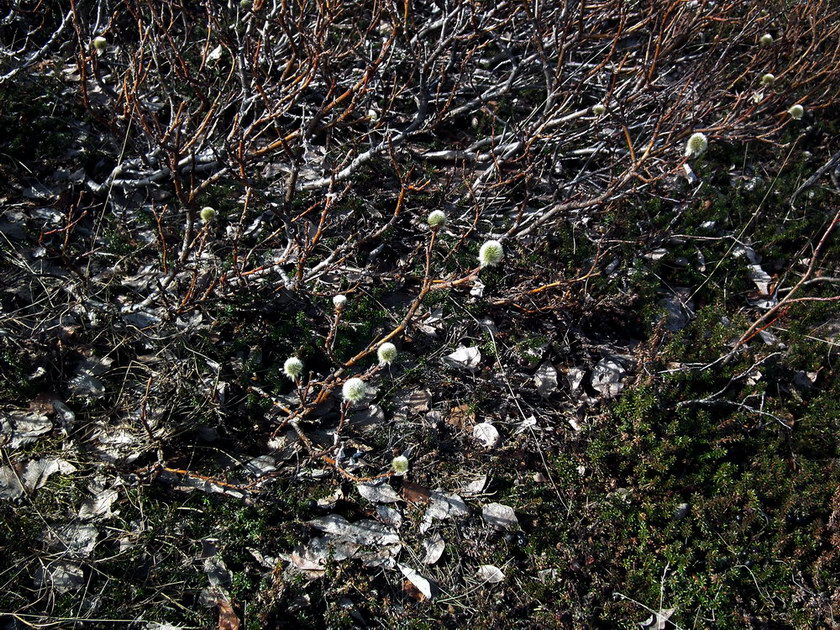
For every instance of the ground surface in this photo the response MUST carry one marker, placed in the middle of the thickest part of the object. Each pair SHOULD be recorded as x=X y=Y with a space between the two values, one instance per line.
x=631 y=419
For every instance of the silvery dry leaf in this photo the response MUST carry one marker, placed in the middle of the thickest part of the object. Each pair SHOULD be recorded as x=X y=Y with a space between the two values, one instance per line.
x=422 y=584
x=62 y=576
x=499 y=516
x=464 y=358
x=443 y=506
x=389 y=516
x=487 y=434
x=546 y=379
x=364 y=532
x=433 y=547
x=659 y=621
x=378 y=492
x=18 y=428
x=606 y=377
x=490 y=574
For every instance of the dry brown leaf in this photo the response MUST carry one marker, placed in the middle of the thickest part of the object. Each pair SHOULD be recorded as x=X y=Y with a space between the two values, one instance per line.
x=227 y=618
x=42 y=404
x=412 y=591
x=461 y=417
x=423 y=585
x=415 y=493
x=418 y=401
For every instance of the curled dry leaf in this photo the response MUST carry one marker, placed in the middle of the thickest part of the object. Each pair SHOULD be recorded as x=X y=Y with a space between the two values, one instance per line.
x=423 y=585
x=546 y=379
x=20 y=428
x=364 y=532
x=499 y=516
x=442 y=507
x=487 y=434
x=227 y=618
x=433 y=547
x=490 y=574
x=380 y=492
x=658 y=621
x=464 y=358
x=606 y=377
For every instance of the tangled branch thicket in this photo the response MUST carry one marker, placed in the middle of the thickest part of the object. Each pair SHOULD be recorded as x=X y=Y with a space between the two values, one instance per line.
x=322 y=133
x=484 y=107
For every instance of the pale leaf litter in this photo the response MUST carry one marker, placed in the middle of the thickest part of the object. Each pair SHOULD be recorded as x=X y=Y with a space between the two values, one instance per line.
x=528 y=424
x=98 y=506
x=60 y=576
x=425 y=586
x=659 y=620
x=490 y=574
x=486 y=434
x=606 y=377
x=19 y=428
x=85 y=381
x=74 y=541
x=679 y=309
x=378 y=492
x=433 y=548
x=433 y=323
x=464 y=358
x=378 y=544
x=28 y=477
x=500 y=516
x=375 y=544
x=546 y=379
x=219 y=577
x=441 y=507
x=759 y=277
x=389 y=516
x=411 y=402
x=475 y=487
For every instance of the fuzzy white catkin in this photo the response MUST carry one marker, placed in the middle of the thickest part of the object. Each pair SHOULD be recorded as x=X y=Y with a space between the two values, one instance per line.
x=796 y=112
x=293 y=367
x=339 y=301
x=490 y=254
x=437 y=218
x=399 y=465
x=598 y=109
x=387 y=352
x=207 y=214
x=696 y=145
x=354 y=390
